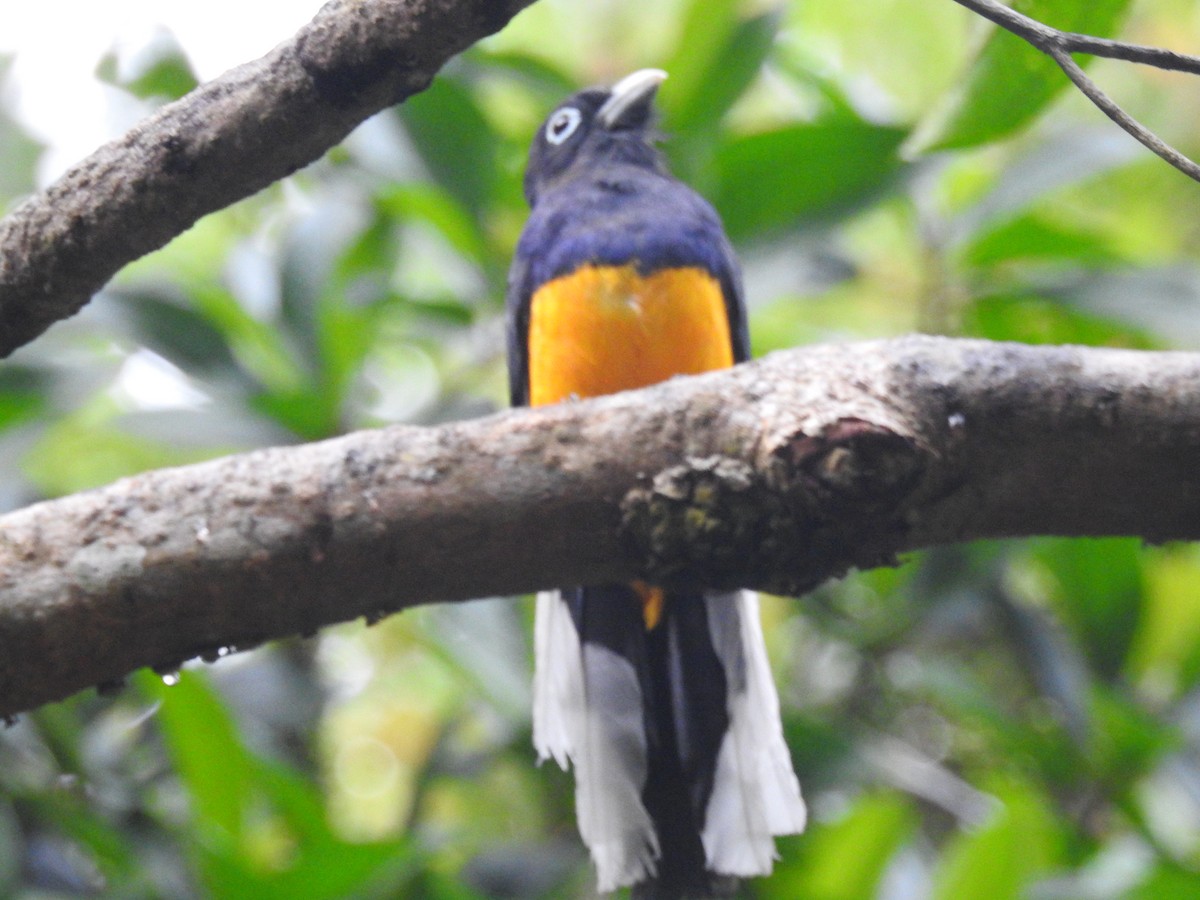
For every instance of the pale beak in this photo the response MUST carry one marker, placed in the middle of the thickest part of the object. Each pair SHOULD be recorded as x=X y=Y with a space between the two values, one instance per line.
x=632 y=94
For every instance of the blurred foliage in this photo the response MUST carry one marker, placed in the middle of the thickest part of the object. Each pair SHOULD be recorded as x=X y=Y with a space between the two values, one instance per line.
x=1007 y=720
x=1009 y=82
x=18 y=150
x=157 y=69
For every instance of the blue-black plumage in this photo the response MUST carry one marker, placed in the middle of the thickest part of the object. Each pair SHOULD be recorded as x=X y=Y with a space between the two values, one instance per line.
x=603 y=195
x=662 y=702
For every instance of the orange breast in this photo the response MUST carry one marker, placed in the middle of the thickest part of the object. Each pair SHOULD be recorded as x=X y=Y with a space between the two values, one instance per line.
x=604 y=329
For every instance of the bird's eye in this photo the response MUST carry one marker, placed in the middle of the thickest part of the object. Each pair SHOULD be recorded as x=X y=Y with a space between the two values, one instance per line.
x=562 y=125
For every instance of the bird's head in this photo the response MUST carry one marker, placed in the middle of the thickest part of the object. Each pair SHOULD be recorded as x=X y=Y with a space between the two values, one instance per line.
x=597 y=124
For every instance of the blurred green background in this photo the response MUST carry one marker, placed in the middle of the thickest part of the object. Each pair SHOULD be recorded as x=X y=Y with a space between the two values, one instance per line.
x=1012 y=720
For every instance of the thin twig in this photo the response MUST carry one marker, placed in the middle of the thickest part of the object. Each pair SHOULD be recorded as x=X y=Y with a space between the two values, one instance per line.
x=1044 y=36
x=1059 y=45
x=1106 y=105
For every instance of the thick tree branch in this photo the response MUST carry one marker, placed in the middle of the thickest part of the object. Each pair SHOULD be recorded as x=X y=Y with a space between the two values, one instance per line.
x=778 y=474
x=1059 y=45
x=222 y=142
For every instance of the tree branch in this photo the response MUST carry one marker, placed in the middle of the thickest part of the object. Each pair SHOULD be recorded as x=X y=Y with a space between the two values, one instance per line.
x=777 y=474
x=224 y=141
x=1059 y=45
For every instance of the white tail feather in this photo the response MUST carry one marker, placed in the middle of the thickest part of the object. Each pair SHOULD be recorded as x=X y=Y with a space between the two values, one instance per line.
x=756 y=794
x=557 y=680
x=602 y=735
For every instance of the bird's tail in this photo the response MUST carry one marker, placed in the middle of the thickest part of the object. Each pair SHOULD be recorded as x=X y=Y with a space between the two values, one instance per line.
x=666 y=708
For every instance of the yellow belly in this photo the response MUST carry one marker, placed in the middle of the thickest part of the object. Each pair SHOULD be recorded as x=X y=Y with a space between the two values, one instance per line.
x=604 y=329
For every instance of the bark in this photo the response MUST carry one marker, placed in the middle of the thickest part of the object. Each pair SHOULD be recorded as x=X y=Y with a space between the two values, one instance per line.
x=220 y=143
x=777 y=474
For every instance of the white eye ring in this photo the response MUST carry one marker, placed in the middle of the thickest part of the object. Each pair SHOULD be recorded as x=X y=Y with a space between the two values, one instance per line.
x=562 y=124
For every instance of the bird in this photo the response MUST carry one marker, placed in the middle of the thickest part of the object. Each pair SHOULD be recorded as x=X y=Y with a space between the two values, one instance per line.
x=661 y=701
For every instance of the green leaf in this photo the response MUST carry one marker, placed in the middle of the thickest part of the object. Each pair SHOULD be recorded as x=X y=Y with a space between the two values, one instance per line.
x=1097 y=588
x=438 y=209
x=999 y=859
x=719 y=53
x=256 y=345
x=455 y=141
x=551 y=83
x=19 y=151
x=162 y=70
x=346 y=335
x=1009 y=82
x=1127 y=741
x=1030 y=319
x=85 y=450
x=1167 y=646
x=798 y=174
x=1034 y=189
x=1166 y=299
x=844 y=860
x=169 y=77
x=324 y=866
x=1035 y=238
x=446 y=310
x=263 y=829
x=311 y=414
x=203 y=744
x=177 y=332
x=1167 y=882
x=23 y=394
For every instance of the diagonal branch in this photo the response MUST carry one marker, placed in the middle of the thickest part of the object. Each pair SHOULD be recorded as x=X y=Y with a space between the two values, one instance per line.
x=1059 y=45
x=222 y=142
x=778 y=474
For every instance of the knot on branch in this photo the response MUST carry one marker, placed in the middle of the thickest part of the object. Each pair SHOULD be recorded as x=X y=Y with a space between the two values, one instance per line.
x=696 y=522
x=824 y=504
x=854 y=468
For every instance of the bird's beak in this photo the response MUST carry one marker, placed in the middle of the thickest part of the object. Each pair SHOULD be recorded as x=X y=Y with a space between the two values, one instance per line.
x=629 y=101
